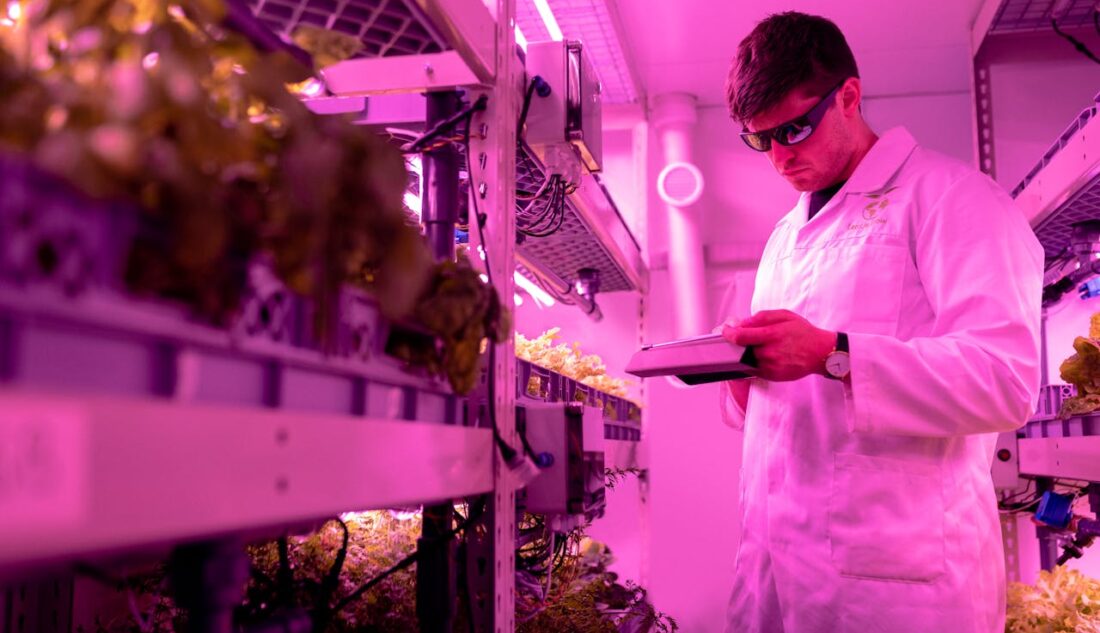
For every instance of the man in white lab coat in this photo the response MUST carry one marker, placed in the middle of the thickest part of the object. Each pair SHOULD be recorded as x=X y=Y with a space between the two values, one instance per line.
x=895 y=321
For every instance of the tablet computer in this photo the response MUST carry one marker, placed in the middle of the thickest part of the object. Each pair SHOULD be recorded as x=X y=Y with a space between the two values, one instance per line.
x=695 y=361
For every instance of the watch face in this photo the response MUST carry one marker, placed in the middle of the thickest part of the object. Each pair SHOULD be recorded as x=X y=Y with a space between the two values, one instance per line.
x=837 y=365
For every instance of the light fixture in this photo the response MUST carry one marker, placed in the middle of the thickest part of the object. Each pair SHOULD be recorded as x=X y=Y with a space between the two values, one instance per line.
x=595 y=23
x=680 y=184
x=538 y=294
x=412 y=201
x=312 y=88
x=548 y=19
x=521 y=39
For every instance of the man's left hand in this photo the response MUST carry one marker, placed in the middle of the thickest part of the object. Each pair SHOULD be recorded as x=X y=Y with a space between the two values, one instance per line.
x=787 y=346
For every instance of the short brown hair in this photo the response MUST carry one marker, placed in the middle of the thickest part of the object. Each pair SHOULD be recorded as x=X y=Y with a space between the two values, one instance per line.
x=784 y=52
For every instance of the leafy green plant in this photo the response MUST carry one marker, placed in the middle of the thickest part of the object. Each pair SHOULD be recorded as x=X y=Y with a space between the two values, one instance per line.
x=376 y=541
x=159 y=105
x=587 y=596
x=1060 y=601
x=613 y=476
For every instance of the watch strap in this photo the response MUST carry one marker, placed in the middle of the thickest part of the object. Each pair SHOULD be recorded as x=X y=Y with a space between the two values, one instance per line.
x=841 y=342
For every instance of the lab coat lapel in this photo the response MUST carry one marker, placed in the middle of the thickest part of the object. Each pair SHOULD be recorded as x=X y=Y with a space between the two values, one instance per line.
x=881 y=165
x=874 y=174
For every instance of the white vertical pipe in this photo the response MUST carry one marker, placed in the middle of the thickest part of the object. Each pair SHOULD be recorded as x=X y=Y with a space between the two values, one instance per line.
x=673 y=117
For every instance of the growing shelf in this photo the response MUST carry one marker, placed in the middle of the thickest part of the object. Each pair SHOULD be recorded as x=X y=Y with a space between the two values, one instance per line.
x=622 y=418
x=92 y=475
x=1064 y=187
x=593 y=235
x=1034 y=15
x=127 y=422
x=999 y=17
x=408 y=45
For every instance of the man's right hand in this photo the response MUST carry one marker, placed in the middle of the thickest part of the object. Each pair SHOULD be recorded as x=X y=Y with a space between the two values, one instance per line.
x=738 y=389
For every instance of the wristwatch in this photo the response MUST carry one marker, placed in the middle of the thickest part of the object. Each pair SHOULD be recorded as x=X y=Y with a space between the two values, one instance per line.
x=838 y=363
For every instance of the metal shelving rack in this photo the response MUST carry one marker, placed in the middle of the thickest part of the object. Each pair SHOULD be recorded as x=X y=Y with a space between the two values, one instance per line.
x=1064 y=187
x=593 y=235
x=1061 y=190
x=148 y=446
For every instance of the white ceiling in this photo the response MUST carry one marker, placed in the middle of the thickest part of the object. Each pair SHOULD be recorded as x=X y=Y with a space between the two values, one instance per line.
x=902 y=47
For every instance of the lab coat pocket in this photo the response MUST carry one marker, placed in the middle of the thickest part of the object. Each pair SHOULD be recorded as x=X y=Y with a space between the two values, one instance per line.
x=886 y=519
x=860 y=281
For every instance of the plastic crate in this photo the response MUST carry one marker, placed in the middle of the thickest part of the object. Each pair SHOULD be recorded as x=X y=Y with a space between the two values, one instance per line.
x=622 y=418
x=68 y=323
x=1051 y=398
x=1079 y=426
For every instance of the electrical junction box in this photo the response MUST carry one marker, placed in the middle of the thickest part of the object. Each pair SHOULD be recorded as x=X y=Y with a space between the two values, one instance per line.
x=572 y=436
x=570 y=117
x=1006 y=463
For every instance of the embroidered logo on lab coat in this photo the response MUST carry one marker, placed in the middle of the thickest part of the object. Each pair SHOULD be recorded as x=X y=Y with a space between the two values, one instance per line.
x=872 y=210
x=878 y=203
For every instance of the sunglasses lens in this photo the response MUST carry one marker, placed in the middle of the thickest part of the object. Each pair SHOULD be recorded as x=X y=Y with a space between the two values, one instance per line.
x=758 y=142
x=794 y=133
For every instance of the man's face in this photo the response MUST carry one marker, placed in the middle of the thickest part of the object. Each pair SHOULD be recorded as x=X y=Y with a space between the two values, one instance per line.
x=818 y=161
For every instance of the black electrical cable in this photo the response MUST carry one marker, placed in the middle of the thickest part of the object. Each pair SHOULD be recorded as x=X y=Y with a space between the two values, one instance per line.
x=284 y=577
x=549 y=212
x=1084 y=50
x=101 y=576
x=538 y=194
x=474 y=515
x=527 y=215
x=1013 y=499
x=322 y=615
x=560 y=215
x=538 y=84
x=506 y=451
x=463 y=555
x=523 y=112
x=465 y=114
x=532 y=223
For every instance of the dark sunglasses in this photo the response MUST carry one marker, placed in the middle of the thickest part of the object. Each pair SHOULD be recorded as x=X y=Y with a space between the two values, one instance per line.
x=794 y=131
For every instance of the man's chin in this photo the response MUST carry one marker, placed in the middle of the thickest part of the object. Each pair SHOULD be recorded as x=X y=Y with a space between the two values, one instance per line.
x=802 y=183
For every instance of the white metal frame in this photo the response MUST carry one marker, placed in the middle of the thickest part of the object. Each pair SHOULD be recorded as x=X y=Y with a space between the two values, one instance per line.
x=492 y=164
x=1061 y=457
x=87 y=475
x=596 y=211
x=1074 y=166
x=468 y=28
x=402 y=73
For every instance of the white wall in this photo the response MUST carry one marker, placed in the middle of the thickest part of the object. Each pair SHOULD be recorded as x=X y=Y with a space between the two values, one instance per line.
x=1039 y=85
x=694 y=460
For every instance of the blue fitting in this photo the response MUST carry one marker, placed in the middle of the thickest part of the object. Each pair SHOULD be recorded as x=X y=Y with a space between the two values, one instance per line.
x=1090 y=289
x=1055 y=510
x=542 y=88
x=544 y=460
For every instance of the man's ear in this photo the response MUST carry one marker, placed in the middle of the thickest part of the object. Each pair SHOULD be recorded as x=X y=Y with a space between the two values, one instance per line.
x=850 y=96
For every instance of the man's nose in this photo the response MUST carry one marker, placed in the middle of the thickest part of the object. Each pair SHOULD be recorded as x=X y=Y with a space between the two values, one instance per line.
x=780 y=155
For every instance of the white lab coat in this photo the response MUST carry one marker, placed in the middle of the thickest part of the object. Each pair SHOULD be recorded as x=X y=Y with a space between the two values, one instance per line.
x=870 y=507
